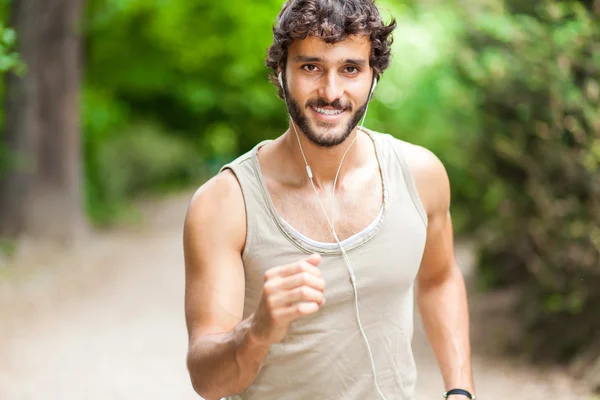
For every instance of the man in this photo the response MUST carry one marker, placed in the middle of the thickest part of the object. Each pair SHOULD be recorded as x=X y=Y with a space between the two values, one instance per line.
x=302 y=255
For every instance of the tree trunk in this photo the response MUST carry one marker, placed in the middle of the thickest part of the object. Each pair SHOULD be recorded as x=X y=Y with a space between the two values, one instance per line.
x=41 y=195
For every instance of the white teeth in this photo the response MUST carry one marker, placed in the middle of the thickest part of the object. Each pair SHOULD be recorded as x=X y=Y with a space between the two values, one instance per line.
x=327 y=112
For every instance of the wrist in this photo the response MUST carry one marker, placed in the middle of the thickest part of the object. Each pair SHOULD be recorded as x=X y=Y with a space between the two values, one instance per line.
x=253 y=334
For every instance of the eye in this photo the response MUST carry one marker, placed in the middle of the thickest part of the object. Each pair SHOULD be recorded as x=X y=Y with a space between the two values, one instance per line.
x=351 y=70
x=310 y=67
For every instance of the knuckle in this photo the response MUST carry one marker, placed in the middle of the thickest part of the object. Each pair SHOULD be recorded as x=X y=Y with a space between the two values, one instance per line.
x=306 y=278
x=268 y=274
x=304 y=267
x=268 y=289
x=305 y=291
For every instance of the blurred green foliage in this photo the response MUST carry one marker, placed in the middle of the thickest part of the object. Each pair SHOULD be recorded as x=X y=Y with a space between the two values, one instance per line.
x=538 y=71
x=9 y=61
x=192 y=72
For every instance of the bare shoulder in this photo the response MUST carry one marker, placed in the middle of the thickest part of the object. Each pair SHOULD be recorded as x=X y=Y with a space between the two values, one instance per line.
x=430 y=176
x=217 y=210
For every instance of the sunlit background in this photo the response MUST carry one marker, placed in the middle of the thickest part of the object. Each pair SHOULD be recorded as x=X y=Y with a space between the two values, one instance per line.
x=115 y=110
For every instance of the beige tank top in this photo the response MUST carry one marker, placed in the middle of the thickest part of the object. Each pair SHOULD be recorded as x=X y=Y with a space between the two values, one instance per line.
x=324 y=355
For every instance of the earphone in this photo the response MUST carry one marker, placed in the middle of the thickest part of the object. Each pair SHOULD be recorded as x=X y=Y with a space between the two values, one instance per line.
x=332 y=225
x=372 y=89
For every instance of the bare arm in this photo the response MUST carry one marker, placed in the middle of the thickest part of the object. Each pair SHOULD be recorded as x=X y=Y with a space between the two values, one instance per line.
x=225 y=353
x=441 y=294
x=222 y=359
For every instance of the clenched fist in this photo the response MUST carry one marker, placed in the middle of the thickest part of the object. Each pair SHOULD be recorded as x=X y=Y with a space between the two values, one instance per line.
x=289 y=292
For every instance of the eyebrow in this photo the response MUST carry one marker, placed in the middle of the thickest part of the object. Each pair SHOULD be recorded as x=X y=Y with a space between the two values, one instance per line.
x=356 y=61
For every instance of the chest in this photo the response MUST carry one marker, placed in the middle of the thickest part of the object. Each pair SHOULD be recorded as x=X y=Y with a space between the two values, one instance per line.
x=356 y=204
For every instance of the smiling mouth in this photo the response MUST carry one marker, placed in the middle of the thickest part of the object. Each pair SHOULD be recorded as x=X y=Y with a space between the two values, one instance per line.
x=325 y=111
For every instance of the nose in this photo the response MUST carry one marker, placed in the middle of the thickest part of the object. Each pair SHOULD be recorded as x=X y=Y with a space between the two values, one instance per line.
x=332 y=88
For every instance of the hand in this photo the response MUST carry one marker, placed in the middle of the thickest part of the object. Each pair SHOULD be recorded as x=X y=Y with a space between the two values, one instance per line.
x=289 y=292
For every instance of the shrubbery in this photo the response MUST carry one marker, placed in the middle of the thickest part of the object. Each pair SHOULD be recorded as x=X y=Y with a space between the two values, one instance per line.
x=538 y=162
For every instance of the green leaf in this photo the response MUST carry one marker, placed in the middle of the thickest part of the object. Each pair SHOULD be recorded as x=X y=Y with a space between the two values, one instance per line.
x=9 y=37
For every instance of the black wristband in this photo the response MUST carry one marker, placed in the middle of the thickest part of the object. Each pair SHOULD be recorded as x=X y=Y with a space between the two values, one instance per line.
x=459 y=391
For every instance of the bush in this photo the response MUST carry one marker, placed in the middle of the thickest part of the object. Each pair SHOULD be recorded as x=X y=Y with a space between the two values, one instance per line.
x=538 y=70
x=138 y=159
x=188 y=66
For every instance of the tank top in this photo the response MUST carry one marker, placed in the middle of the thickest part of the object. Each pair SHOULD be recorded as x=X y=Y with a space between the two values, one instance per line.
x=324 y=356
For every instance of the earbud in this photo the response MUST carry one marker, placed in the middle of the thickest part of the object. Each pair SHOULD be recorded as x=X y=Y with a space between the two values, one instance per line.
x=280 y=80
x=373 y=87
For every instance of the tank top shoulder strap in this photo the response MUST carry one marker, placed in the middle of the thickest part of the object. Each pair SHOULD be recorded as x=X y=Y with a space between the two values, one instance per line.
x=400 y=177
x=256 y=211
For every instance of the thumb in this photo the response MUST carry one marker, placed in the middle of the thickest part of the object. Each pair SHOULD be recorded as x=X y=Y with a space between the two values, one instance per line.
x=314 y=259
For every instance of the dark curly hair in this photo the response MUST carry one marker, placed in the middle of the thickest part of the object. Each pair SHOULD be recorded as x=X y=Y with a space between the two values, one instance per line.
x=332 y=21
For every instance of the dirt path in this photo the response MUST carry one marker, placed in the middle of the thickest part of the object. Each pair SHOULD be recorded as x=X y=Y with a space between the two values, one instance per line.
x=106 y=322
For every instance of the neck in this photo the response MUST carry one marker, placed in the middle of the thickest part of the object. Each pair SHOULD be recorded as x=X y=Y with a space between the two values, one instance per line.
x=324 y=162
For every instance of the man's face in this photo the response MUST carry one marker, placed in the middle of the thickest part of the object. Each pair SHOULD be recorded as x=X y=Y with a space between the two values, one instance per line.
x=327 y=87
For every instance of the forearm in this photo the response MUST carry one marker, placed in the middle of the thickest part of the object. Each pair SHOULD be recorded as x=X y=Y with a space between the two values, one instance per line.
x=225 y=364
x=444 y=311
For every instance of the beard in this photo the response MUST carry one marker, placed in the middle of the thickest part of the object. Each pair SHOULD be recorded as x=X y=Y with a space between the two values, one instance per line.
x=323 y=134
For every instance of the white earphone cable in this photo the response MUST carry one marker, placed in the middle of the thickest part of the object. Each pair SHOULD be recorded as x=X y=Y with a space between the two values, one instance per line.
x=331 y=224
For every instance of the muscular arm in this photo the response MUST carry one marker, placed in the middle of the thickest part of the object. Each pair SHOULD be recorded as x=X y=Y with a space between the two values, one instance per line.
x=441 y=293
x=223 y=359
